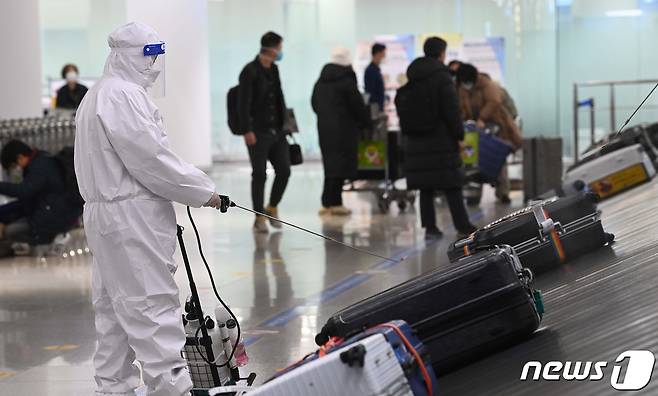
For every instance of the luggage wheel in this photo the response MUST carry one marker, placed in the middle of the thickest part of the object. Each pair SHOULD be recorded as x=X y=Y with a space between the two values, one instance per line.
x=527 y=275
x=383 y=205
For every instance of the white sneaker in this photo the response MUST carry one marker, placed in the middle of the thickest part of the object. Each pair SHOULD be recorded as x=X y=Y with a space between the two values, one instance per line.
x=340 y=211
x=260 y=225
x=272 y=211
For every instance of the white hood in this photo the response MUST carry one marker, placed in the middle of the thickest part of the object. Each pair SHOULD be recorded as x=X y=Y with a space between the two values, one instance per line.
x=126 y=60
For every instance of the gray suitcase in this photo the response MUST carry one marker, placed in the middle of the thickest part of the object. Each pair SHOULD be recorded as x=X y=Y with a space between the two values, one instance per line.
x=542 y=166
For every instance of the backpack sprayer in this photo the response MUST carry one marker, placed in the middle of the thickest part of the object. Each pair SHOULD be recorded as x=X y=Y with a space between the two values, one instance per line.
x=214 y=349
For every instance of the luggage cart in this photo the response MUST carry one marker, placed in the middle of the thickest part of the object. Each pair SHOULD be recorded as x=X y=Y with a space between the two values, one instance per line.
x=380 y=166
x=484 y=155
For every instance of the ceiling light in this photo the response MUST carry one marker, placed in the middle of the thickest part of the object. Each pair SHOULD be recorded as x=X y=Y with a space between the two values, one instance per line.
x=624 y=13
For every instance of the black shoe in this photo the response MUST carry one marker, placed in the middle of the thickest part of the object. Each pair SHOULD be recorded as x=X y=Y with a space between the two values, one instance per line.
x=433 y=233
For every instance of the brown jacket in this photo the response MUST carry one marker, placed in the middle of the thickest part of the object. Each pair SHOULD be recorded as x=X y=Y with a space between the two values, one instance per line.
x=485 y=101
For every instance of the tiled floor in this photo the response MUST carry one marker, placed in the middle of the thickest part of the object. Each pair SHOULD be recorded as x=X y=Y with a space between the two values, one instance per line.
x=284 y=285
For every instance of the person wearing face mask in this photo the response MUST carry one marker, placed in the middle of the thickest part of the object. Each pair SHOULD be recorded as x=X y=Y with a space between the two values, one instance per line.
x=42 y=208
x=70 y=95
x=483 y=101
x=453 y=66
x=262 y=111
x=129 y=176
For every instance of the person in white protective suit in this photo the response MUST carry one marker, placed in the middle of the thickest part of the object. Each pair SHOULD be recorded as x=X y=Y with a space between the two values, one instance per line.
x=128 y=177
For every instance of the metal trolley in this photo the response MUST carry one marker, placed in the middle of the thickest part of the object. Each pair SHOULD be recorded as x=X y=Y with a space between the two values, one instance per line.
x=48 y=133
x=380 y=166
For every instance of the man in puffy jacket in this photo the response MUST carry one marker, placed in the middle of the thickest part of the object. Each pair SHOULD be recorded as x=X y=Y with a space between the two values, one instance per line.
x=432 y=157
x=128 y=177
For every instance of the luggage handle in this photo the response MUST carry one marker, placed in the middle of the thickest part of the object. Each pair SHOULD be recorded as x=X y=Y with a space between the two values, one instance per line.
x=525 y=274
x=545 y=223
x=463 y=242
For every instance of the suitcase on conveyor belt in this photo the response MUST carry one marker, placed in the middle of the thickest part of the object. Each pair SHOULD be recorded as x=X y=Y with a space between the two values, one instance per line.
x=613 y=172
x=384 y=360
x=643 y=134
x=544 y=234
x=461 y=314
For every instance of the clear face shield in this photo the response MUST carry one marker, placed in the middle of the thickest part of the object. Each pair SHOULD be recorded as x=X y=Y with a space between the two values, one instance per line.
x=155 y=54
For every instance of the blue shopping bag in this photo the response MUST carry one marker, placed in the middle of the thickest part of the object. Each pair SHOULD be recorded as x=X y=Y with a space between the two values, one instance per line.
x=493 y=153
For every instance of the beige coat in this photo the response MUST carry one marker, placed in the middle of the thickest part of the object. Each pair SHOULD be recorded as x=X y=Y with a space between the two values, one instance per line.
x=485 y=102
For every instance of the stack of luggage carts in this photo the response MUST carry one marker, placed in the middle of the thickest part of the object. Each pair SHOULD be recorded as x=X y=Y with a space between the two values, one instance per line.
x=49 y=133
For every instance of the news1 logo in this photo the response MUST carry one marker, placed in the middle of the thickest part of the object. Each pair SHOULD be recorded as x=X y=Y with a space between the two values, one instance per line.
x=638 y=370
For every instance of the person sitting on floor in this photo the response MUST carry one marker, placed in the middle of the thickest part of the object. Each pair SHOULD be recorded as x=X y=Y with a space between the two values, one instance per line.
x=42 y=208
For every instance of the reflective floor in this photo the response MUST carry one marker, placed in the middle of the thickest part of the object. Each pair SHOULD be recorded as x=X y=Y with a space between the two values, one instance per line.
x=284 y=285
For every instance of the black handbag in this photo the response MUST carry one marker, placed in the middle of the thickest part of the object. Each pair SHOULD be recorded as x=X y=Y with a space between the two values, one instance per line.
x=290 y=127
x=296 y=157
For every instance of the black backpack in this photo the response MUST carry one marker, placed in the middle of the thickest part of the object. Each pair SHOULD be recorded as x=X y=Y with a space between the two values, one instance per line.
x=416 y=105
x=232 y=110
x=65 y=160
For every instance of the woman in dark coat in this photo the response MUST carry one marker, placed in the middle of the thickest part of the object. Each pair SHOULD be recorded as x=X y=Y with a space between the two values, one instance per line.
x=342 y=115
x=432 y=157
x=70 y=95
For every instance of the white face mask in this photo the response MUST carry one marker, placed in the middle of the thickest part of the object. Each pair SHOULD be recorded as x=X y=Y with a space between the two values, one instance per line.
x=152 y=71
x=71 y=76
x=152 y=76
x=467 y=86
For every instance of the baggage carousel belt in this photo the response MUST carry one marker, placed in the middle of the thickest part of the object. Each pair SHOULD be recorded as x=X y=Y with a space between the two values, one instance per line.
x=597 y=307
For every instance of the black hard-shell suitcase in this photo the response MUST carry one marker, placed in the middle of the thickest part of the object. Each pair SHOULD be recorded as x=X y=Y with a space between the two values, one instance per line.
x=473 y=309
x=545 y=234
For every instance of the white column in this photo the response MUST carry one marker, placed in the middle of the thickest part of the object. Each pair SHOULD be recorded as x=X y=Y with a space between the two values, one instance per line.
x=183 y=25
x=20 y=65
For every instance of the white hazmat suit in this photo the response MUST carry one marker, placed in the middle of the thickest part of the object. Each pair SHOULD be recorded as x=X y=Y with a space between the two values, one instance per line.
x=129 y=177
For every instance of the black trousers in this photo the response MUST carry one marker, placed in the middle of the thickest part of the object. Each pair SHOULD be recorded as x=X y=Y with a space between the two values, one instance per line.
x=332 y=193
x=271 y=147
x=455 y=203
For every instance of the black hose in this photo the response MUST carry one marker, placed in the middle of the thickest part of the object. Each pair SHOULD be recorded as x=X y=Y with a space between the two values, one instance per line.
x=214 y=288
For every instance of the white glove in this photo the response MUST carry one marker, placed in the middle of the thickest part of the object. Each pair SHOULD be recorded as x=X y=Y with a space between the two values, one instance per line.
x=220 y=202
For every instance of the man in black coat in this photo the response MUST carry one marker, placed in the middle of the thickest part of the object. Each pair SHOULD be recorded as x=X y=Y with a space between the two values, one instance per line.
x=342 y=115
x=262 y=109
x=43 y=208
x=433 y=157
